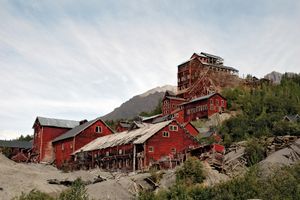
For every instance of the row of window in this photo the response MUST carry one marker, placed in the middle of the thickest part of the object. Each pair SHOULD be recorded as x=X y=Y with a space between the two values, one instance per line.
x=151 y=150
x=197 y=109
x=63 y=146
x=217 y=102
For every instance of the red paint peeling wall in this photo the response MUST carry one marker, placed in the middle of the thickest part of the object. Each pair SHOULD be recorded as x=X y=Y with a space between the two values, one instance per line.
x=42 y=143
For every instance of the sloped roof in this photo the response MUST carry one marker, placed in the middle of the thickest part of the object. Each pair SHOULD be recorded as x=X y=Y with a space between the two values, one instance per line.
x=136 y=136
x=292 y=118
x=162 y=119
x=175 y=98
x=60 y=123
x=78 y=129
x=202 y=54
x=16 y=144
x=151 y=117
x=125 y=124
x=202 y=98
x=210 y=55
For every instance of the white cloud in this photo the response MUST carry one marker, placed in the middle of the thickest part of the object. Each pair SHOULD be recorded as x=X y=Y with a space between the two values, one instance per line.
x=64 y=61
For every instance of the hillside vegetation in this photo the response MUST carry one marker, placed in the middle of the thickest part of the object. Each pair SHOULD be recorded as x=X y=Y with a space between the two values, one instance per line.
x=282 y=184
x=262 y=110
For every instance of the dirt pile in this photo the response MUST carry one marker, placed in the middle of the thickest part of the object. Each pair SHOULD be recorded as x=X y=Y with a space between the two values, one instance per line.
x=18 y=177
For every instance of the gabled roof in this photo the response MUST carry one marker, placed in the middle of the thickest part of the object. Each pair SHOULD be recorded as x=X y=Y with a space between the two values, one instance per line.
x=136 y=136
x=16 y=144
x=292 y=118
x=78 y=129
x=60 y=123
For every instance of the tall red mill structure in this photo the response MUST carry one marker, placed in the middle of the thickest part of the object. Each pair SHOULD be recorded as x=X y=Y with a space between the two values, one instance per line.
x=204 y=74
x=200 y=79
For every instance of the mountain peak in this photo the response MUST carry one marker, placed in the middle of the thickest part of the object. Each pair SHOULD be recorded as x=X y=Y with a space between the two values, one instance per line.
x=145 y=102
x=160 y=89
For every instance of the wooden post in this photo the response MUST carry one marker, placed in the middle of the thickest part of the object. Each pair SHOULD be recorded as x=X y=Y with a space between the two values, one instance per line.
x=134 y=157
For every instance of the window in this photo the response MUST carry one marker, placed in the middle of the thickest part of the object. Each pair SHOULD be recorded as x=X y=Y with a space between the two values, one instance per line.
x=98 y=129
x=217 y=102
x=151 y=149
x=173 y=128
x=211 y=101
x=211 y=107
x=222 y=102
x=62 y=147
x=165 y=134
x=107 y=153
x=71 y=146
x=173 y=150
x=120 y=151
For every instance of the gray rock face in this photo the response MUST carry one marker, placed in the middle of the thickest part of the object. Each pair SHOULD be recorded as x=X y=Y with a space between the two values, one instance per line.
x=275 y=77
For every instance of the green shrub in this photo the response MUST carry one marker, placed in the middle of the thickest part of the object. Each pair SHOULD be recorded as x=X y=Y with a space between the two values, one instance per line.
x=155 y=174
x=191 y=172
x=76 y=192
x=254 y=152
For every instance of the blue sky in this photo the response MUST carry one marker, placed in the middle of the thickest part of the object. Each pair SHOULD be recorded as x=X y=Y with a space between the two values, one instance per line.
x=80 y=59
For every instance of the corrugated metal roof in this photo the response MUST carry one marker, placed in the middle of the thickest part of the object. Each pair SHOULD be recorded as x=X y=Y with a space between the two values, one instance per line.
x=210 y=55
x=200 y=98
x=61 y=123
x=151 y=117
x=176 y=98
x=16 y=144
x=73 y=132
x=162 y=119
x=136 y=136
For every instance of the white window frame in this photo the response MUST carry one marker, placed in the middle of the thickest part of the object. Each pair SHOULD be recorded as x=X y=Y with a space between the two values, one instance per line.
x=173 y=150
x=173 y=128
x=98 y=129
x=151 y=149
x=165 y=134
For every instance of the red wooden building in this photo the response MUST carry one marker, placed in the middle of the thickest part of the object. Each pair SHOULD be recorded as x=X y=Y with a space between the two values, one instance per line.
x=191 y=129
x=45 y=130
x=204 y=107
x=194 y=76
x=67 y=143
x=170 y=103
x=160 y=144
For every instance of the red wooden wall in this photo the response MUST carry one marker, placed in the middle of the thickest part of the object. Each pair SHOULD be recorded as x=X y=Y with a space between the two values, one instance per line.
x=163 y=145
x=43 y=141
x=63 y=154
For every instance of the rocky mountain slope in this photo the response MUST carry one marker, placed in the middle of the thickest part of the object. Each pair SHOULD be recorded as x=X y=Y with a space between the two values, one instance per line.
x=145 y=102
x=275 y=77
